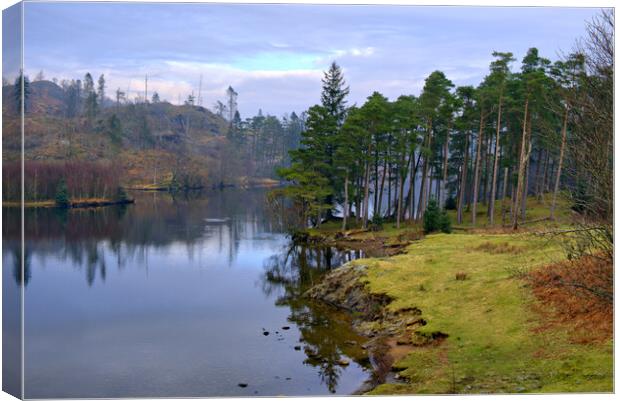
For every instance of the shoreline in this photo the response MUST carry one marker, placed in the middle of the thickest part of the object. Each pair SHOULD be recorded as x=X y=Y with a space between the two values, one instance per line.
x=73 y=204
x=411 y=295
x=343 y=288
x=267 y=183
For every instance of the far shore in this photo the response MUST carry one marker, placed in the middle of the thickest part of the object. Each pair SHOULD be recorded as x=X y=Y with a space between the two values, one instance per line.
x=245 y=183
x=74 y=203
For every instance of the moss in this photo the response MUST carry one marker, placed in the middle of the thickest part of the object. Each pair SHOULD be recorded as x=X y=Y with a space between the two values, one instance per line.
x=537 y=212
x=491 y=345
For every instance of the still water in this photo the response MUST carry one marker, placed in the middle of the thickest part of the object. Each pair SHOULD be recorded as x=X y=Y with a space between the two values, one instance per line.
x=174 y=297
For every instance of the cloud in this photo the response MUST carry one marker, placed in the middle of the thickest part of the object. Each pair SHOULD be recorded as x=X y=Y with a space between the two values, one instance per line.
x=274 y=55
x=355 y=52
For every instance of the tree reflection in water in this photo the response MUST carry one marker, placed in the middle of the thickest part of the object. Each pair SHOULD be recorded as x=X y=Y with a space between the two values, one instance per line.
x=93 y=238
x=328 y=341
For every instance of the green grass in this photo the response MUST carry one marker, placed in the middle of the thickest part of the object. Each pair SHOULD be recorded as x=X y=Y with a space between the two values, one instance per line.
x=536 y=209
x=492 y=345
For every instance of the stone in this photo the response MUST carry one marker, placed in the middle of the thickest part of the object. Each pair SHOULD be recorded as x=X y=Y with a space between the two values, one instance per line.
x=343 y=362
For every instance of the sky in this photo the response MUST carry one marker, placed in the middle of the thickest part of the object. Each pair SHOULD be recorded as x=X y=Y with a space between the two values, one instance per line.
x=274 y=55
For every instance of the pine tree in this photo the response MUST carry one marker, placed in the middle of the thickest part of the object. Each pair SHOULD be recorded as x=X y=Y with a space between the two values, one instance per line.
x=434 y=94
x=232 y=102
x=500 y=73
x=62 y=195
x=101 y=89
x=22 y=94
x=90 y=106
x=334 y=93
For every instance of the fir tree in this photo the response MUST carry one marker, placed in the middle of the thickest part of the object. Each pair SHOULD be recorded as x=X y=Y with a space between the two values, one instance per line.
x=334 y=93
x=19 y=81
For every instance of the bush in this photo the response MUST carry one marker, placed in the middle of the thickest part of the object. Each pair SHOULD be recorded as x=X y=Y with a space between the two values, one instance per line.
x=436 y=219
x=62 y=194
x=376 y=223
x=444 y=223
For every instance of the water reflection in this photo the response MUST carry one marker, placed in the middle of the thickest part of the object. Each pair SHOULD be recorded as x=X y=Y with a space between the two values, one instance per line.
x=85 y=237
x=329 y=343
x=177 y=287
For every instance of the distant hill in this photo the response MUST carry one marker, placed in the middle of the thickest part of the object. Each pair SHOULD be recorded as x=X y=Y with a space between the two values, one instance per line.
x=153 y=142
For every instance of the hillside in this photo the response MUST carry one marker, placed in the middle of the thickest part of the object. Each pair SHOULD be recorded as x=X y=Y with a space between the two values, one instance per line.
x=150 y=142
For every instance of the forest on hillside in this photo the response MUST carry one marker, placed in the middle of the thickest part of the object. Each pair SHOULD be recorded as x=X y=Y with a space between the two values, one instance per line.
x=142 y=143
x=529 y=129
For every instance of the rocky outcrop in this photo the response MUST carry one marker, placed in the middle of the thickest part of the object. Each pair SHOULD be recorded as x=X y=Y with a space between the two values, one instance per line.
x=392 y=334
x=345 y=288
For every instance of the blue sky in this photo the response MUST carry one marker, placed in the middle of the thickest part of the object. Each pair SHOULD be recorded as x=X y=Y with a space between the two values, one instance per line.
x=274 y=55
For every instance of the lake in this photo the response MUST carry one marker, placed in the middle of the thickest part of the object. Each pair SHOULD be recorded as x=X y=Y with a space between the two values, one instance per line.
x=185 y=296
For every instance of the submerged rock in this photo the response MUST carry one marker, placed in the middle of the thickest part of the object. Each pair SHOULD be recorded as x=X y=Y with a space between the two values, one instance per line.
x=242 y=385
x=344 y=362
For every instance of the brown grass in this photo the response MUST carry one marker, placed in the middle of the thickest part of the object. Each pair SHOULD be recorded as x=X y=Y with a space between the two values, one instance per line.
x=460 y=276
x=496 y=248
x=575 y=294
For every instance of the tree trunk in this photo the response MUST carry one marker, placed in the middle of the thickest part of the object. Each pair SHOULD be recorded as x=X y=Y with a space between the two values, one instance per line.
x=526 y=178
x=379 y=207
x=376 y=182
x=545 y=184
x=424 y=189
x=477 y=170
x=551 y=170
x=463 y=185
x=538 y=185
x=358 y=199
x=389 y=203
x=526 y=181
x=485 y=170
x=401 y=183
x=345 y=213
x=504 y=187
x=437 y=185
x=412 y=175
x=558 y=174
x=517 y=195
x=495 y=166
x=444 y=181
x=366 y=185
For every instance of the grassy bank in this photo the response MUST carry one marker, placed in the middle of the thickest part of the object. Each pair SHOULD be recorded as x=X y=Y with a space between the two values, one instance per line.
x=473 y=292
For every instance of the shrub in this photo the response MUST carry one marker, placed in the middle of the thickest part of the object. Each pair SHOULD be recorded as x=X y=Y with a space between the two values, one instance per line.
x=436 y=219
x=62 y=194
x=444 y=222
x=376 y=223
